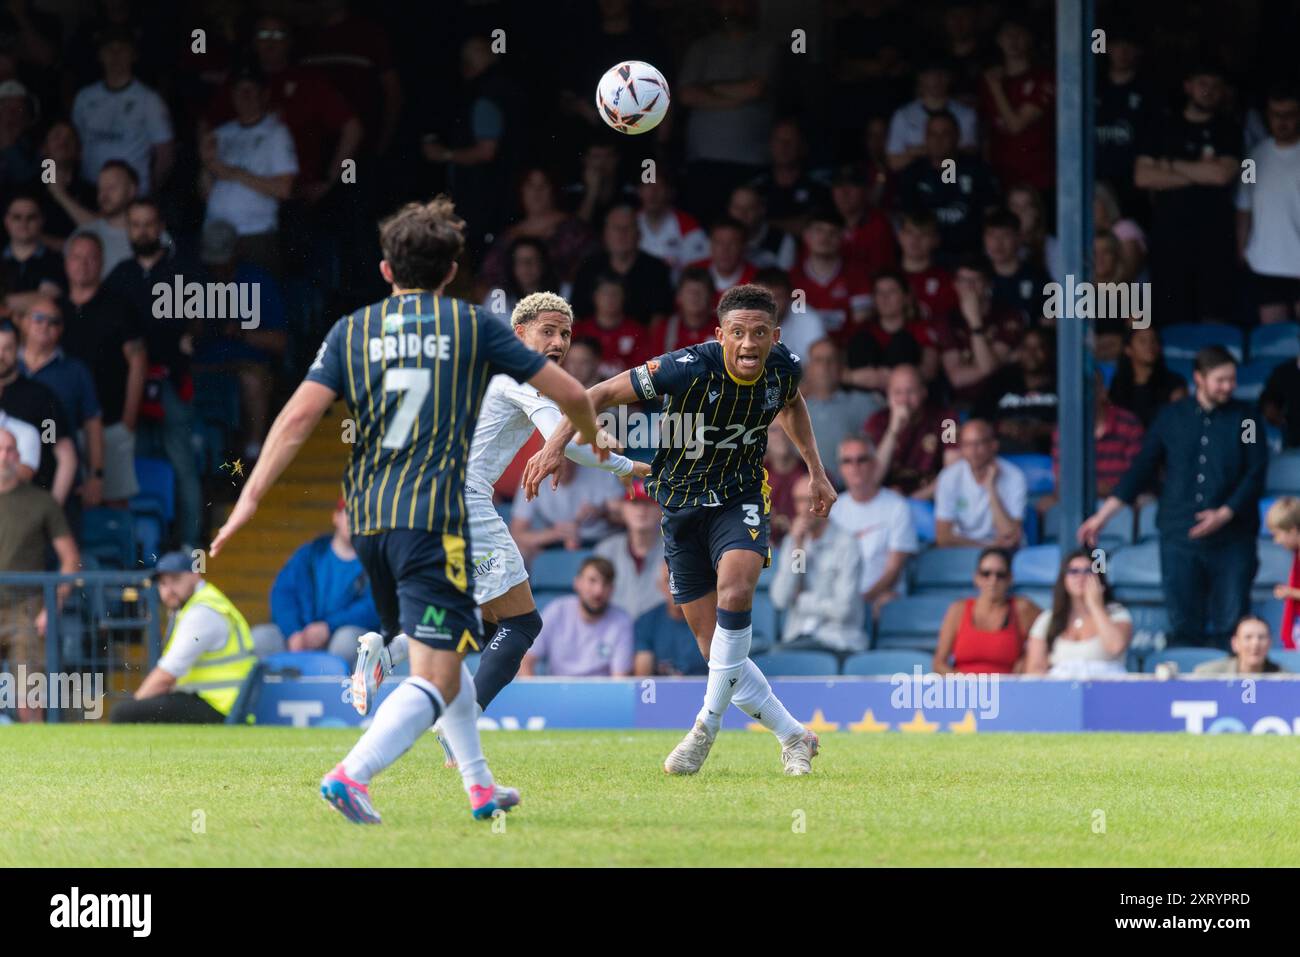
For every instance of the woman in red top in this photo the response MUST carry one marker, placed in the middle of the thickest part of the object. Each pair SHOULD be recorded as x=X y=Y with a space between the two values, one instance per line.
x=986 y=634
x=1283 y=520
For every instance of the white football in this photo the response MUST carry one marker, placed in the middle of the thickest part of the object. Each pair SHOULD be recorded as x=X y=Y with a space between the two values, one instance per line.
x=632 y=97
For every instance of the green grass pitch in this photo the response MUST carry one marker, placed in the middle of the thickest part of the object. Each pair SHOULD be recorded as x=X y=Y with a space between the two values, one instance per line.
x=111 y=796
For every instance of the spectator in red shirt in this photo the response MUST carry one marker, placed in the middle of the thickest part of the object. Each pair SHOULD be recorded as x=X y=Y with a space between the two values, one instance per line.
x=1117 y=434
x=918 y=238
x=693 y=322
x=355 y=54
x=840 y=291
x=914 y=437
x=1017 y=102
x=894 y=336
x=726 y=264
x=976 y=339
x=868 y=241
x=623 y=341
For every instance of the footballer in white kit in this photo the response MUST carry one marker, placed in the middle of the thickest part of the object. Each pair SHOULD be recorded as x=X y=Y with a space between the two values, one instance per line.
x=510 y=411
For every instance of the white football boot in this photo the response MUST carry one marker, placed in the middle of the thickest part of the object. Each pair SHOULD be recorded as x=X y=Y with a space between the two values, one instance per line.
x=373 y=666
x=688 y=757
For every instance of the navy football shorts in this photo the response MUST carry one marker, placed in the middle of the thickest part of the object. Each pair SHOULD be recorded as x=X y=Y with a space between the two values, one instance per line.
x=421 y=587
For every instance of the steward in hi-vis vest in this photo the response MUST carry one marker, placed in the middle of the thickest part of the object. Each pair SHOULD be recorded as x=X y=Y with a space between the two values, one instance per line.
x=206 y=658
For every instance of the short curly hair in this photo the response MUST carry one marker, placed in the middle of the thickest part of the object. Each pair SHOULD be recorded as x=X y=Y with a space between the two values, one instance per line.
x=748 y=296
x=534 y=304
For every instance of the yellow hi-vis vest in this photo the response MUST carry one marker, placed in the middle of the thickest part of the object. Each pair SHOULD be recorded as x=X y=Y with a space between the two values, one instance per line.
x=218 y=675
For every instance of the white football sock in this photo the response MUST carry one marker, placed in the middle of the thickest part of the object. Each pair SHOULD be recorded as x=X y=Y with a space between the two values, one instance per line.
x=754 y=696
x=728 y=653
x=399 y=649
x=460 y=728
x=405 y=715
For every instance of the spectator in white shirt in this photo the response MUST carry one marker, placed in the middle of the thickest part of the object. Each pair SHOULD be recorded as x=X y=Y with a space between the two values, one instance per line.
x=666 y=232
x=636 y=554
x=1085 y=634
x=818 y=570
x=1268 y=212
x=980 y=499
x=878 y=518
x=907 y=127
x=249 y=165
x=121 y=118
x=575 y=515
x=27 y=441
x=117 y=186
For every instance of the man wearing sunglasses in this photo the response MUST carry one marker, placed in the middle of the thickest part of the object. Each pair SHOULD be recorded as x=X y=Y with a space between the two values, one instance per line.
x=72 y=383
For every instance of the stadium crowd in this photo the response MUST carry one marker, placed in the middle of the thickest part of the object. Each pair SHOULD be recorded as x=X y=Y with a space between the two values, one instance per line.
x=892 y=184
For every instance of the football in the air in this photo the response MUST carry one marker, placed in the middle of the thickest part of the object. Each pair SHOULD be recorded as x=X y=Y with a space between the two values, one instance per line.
x=632 y=97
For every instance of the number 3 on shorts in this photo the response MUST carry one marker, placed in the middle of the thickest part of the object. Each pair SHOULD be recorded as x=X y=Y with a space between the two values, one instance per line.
x=751 y=514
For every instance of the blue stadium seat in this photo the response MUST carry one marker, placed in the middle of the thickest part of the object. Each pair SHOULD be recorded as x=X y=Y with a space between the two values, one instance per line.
x=157 y=480
x=1184 y=340
x=305 y=663
x=1183 y=366
x=109 y=535
x=1038 y=472
x=1031 y=524
x=900 y=661
x=766 y=628
x=1265 y=504
x=1042 y=597
x=544 y=596
x=911 y=622
x=1251 y=377
x=503 y=509
x=1270 y=609
x=1284 y=474
x=148 y=527
x=766 y=575
x=1274 y=568
x=556 y=568
x=797 y=664
x=1107 y=370
x=922 y=519
x=944 y=568
x=1118 y=531
x=1289 y=660
x=1146 y=530
x=1187 y=658
x=1134 y=573
x=1276 y=341
x=1036 y=565
x=1149 y=620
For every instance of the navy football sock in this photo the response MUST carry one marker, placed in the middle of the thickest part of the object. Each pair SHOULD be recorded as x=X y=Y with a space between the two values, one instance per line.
x=501 y=658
